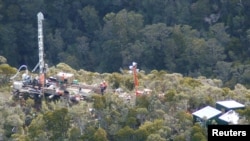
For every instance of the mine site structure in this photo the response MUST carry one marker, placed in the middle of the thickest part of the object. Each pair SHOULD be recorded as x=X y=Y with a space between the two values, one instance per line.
x=27 y=86
x=62 y=85
x=134 y=71
x=42 y=66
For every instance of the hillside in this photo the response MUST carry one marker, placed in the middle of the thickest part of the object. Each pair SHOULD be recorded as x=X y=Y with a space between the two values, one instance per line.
x=164 y=113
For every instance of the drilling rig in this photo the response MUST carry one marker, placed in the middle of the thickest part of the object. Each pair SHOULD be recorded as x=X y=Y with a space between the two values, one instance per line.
x=27 y=86
x=51 y=88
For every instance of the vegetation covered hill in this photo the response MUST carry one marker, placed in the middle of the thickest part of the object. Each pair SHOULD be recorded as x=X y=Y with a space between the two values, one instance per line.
x=190 y=54
x=163 y=114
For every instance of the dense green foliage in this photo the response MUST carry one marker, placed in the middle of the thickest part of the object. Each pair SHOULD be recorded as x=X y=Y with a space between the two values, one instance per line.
x=195 y=37
x=163 y=114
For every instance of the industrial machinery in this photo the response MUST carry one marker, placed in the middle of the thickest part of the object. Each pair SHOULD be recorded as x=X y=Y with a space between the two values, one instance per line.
x=62 y=85
x=41 y=86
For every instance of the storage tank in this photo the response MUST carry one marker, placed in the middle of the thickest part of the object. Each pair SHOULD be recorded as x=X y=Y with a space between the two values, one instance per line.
x=17 y=85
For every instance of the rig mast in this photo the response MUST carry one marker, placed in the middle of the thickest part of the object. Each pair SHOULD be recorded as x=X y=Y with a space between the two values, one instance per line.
x=40 y=18
x=41 y=64
x=42 y=67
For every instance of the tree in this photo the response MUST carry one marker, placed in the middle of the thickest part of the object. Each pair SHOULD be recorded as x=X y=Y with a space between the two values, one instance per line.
x=152 y=127
x=118 y=33
x=169 y=12
x=141 y=134
x=99 y=102
x=6 y=71
x=198 y=133
x=27 y=45
x=245 y=113
x=36 y=129
x=3 y=60
x=100 y=135
x=131 y=118
x=74 y=134
x=83 y=53
x=8 y=43
x=239 y=74
x=54 y=46
x=125 y=134
x=69 y=59
x=12 y=121
x=154 y=45
x=58 y=123
x=222 y=70
x=155 y=137
x=186 y=51
x=142 y=101
x=89 y=133
x=199 y=10
x=90 y=19
x=80 y=116
x=214 y=53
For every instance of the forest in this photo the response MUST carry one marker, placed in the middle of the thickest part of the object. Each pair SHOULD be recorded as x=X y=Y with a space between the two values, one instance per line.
x=191 y=37
x=190 y=53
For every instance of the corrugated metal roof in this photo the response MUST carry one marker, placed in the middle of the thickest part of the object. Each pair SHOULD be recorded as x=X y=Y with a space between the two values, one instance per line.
x=230 y=117
x=230 y=104
x=207 y=112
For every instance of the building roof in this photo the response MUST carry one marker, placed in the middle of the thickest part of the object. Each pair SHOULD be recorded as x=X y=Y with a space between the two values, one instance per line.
x=230 y=104
x=230 y=117
x=207 y=112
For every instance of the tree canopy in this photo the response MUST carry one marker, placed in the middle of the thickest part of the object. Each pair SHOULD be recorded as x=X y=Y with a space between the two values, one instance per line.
x=188 y=37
